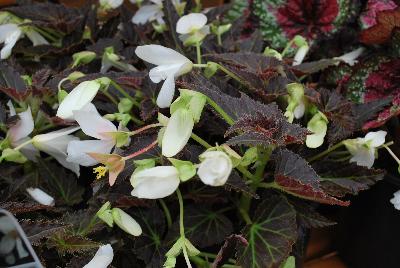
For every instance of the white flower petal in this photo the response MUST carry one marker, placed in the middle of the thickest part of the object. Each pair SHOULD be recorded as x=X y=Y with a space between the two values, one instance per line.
x=40 y=196
x=396 y=200
x=300 y=55
x=102 y=258
x=350 y=58
x=81 y=95
x=145 y=14
x=166 y=93
x=36 y=38
x=376 y=138
x=299 y=110
x=191 y=22
x=23 y=127
x=156 y=182
x=364 y=157
x=77 y=151
x=10 y=33
x=93 y=124
x=215 y=168
x=177 y=132
x=55 y=144
x=159 y=55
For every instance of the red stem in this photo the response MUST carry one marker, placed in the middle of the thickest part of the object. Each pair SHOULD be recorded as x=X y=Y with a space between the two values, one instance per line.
x=141 y=151
x=144 y=128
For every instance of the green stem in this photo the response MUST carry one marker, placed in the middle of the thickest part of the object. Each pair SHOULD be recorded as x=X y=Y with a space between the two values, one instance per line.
x=200 y=141
x=182 y=227
x=392 y=154
x=219 y=40
x=198 y=52
x=124 y=93
x=200 y=65
x=327 y=151
x=136 y=120
x=45 y=34
x=92 y=222
x=219 y=110
x=111 y=98
x=166 y=212
x=234 y=76
x=23 y=144
x=286 y=49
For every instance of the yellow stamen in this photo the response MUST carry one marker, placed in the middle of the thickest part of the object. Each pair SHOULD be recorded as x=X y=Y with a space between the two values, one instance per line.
x=101 y=171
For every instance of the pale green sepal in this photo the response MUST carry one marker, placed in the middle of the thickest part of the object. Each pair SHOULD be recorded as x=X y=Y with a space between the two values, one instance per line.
x=186 y=169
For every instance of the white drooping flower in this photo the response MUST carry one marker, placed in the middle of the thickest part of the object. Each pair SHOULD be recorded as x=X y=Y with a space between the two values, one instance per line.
x=40 y=196
x=364 y=149
x=126 y=222
x=107 y=4
x=10 y=241
x=95 y=126
x=396 y=200
x=156 y=182
x=215 y=168
x=10 y=33
x=177 y=133
x=296 y=106
x=351 y=57
x=149 y=13
x=102 y=258
x=55 y=143
x=79 y=97
x=170 y=64
x=19 y=133
x=193 y=28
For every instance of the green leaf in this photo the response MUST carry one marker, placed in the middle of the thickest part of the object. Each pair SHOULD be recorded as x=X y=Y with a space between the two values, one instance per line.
x=38 y=230
x=125 y=105
x=61 y=182
x=204 y=227
x=270 y=236
x=65 y=243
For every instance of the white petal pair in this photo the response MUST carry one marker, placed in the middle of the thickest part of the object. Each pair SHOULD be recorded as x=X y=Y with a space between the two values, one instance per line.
x=191 y=23
x=93 y=125
x=148 y=13
x=364 y=149
x=170 y=64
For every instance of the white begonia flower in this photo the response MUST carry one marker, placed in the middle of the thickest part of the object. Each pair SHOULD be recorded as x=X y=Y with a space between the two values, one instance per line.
x=126 y=222
x=10 y=240
x=19 y=132
x=79 y=97
x=102 y=258
x=55 y=143
x=156 y=182
x=95 y=126
x=10 y=33
x=191 y=23
x=149 y=13
x=215 y=168
x=111 y=3
x=193 y=28
x=318 y=124
x=396 y=200
x=365 y=149
x=296 y=106
x=40 y=196
x=300 y=55
x=351 y=57
x=177 y=133
x=170 y=63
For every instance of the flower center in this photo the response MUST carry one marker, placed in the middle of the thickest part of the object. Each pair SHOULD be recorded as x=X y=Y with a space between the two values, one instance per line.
x=101 y=171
